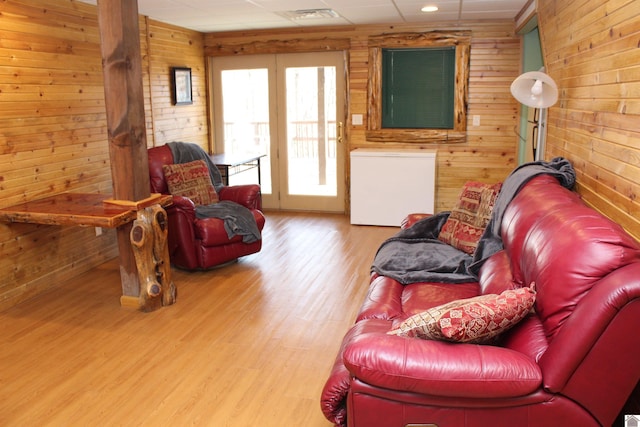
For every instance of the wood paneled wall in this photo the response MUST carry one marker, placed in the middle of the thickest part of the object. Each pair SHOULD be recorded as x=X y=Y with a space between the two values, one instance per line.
x=489 y=153
x=53 y=134
x=171 y=46
x=591 y=49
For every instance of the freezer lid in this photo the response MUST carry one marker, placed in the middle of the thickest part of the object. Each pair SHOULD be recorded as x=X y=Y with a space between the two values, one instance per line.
x=390 y=152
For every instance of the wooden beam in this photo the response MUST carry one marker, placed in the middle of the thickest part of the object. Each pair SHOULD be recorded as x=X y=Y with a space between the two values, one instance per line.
x=124 y=100
x=325 y=44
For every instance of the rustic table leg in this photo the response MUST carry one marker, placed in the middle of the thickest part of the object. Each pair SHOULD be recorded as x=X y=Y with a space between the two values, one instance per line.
x=149 y=243
x=161 y=254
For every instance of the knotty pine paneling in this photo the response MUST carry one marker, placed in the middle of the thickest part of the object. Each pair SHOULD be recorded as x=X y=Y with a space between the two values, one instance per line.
x=489 y=152
x=53 y=139
x=171 y=46
x=590 y=48
x=54 y=131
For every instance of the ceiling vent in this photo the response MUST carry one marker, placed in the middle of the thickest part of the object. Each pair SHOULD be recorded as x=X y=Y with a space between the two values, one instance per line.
x=304 y=14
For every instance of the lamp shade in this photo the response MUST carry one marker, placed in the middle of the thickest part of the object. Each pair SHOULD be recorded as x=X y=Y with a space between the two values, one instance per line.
x=535 y=89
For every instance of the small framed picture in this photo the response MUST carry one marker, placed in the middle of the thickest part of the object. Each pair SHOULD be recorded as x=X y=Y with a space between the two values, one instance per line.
x=182 y=94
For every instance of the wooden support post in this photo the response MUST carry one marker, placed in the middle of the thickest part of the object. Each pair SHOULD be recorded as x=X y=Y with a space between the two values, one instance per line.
x=124 y=100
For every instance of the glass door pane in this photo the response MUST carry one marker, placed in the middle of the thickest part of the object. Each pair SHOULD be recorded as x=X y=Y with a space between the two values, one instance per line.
x=311 y=130
x=311 y=153
x=245 y=112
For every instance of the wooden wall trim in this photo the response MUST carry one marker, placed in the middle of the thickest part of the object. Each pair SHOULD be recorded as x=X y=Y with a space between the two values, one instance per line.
x=149 y=112
x=278 y=46
x=420 y=39
x=462 y=42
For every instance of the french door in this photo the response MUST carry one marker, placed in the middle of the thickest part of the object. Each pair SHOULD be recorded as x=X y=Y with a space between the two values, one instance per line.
x=289 y=107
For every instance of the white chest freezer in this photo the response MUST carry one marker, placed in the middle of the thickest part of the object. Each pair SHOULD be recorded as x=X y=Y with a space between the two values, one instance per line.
x=387 y=184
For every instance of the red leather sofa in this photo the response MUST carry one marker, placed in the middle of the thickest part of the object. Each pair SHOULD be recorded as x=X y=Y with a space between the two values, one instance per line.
x=573 y=361
x=202 y=243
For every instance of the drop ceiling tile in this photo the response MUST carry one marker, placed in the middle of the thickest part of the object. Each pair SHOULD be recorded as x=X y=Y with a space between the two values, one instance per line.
x=207 y=15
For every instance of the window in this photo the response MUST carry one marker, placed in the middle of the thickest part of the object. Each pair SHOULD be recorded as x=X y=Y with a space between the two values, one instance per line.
x=418 y=87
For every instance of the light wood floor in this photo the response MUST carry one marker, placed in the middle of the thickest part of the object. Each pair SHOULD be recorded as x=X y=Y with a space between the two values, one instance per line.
x=250 y=344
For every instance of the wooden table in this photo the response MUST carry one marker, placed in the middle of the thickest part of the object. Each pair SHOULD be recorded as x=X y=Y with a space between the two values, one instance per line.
x=84 y=209
x=232 y=164
x=148 y=234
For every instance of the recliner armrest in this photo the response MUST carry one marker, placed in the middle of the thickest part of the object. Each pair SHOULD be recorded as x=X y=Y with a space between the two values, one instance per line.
x=248 y=195
x=412 y=218
x=440 y=368
x=183 y=206
x=183 y=202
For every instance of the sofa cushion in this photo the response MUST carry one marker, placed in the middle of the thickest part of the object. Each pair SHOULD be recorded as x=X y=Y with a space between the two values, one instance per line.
x=191 y=180
x=495 y=274
x=543 y=193
x=470 y=216
x=569 y=251
x=472 y=320
x=436 y=368
x=563 y=245
x=388 y=299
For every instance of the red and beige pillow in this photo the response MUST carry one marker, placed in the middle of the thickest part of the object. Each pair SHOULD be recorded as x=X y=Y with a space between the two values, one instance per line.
x=470 y=216
x=191 y=180
x=470 y=320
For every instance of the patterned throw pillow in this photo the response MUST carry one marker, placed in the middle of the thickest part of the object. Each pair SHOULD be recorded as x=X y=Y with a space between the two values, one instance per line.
x=470 y=216
x=471 y=320
x=191 y=180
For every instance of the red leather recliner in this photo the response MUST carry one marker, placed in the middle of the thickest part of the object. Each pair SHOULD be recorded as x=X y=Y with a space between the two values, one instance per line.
x=202 y=243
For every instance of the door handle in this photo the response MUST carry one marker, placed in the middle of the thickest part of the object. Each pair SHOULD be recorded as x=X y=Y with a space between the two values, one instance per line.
x=340 y=132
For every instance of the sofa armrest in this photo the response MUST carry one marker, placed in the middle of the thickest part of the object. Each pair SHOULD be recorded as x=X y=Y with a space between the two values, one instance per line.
x=248 y=195
x=441 y=368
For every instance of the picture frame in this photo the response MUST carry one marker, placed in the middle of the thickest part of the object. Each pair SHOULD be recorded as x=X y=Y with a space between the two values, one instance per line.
x=182 y=89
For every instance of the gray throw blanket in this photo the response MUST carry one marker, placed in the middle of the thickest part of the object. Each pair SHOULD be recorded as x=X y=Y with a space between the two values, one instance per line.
x=416 y=255
x=238 y=220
